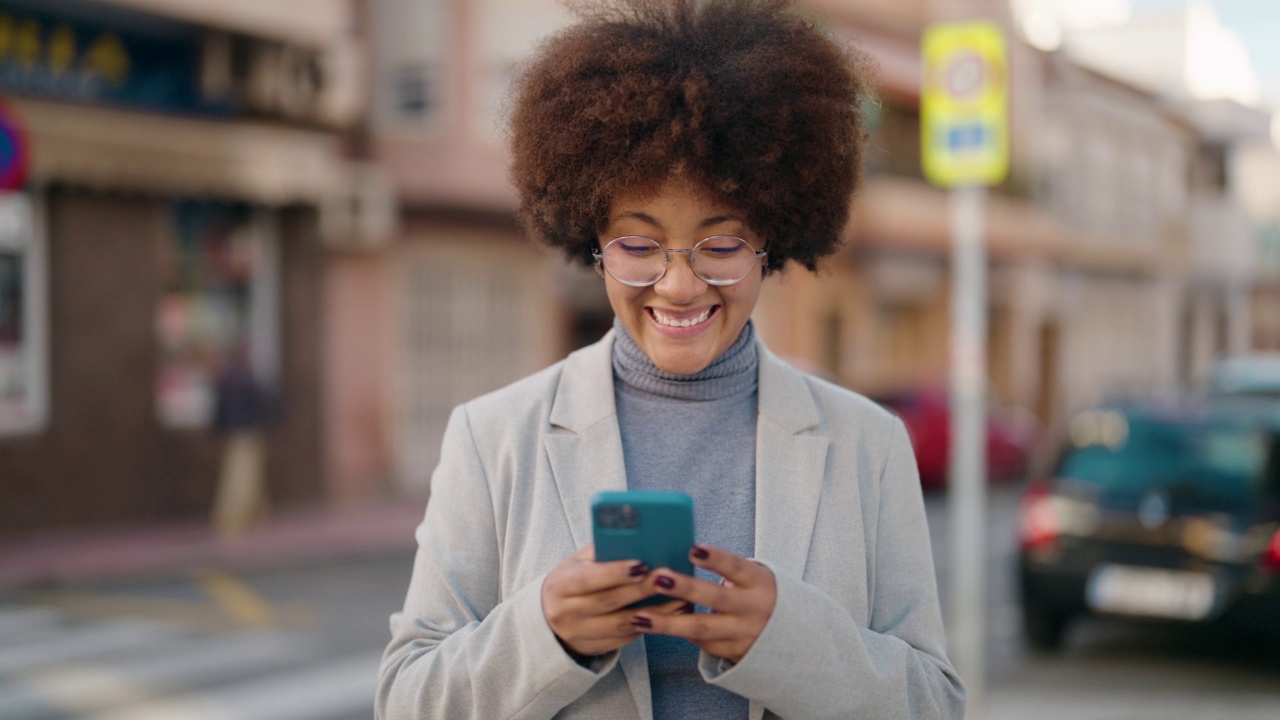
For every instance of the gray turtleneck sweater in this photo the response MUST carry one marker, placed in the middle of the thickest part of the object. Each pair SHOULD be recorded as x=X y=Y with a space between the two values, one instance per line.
x=697 y=434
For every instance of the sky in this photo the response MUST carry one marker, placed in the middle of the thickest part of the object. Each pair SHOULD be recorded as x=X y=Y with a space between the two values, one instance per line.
x=1256 y=22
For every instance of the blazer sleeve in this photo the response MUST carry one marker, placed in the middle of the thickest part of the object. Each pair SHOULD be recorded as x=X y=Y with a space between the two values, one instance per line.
x=813 y=660
x=458 y=649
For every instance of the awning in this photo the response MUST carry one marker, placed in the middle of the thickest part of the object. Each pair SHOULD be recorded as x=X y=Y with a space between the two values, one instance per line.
x=116 y=150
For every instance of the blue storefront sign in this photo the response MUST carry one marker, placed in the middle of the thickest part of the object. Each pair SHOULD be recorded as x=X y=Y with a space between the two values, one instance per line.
x=109 y=60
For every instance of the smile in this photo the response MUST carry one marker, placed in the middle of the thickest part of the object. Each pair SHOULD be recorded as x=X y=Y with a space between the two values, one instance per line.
x=671 y=321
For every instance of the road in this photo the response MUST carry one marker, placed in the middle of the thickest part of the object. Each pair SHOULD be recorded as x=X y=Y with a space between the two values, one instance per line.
x=1108 y=670
x=302 y=643
x=288 y=644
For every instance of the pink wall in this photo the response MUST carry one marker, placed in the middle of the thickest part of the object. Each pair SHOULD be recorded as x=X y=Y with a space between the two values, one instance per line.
x=357 y=353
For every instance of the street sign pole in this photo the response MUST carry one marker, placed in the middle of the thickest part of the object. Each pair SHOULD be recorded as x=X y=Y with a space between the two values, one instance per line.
x=965 y=148
x=967 y=487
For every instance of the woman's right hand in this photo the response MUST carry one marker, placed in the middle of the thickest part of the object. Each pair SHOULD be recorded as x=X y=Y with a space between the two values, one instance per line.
x=585 y=602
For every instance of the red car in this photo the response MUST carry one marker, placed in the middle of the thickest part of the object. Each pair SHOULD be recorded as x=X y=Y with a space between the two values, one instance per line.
x=1010 y=436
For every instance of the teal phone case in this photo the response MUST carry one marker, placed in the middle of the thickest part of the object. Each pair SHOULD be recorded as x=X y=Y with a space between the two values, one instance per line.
x=654 y=527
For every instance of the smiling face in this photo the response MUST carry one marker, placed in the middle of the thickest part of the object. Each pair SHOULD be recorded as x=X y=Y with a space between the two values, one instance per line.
x=682 y=323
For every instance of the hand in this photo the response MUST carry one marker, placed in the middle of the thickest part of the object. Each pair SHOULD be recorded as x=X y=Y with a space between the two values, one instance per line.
x=585 y=602
x=741 y=606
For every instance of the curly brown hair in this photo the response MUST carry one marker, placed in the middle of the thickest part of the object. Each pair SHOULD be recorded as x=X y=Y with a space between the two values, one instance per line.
x=745 y=98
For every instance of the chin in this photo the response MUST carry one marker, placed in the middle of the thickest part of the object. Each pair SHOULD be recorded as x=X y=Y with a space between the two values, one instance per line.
x=681 y=363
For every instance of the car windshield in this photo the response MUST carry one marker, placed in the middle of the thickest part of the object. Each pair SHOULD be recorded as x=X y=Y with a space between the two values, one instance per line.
x=1223 y=462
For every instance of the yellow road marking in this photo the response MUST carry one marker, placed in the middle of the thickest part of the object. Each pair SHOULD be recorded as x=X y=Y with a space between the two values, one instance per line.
x=237 y=599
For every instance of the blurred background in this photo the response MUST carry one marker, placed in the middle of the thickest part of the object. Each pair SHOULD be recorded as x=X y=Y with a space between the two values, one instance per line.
x=252 y=252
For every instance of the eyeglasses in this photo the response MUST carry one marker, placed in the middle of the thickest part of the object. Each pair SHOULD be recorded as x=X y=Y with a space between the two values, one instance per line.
x=639 y=261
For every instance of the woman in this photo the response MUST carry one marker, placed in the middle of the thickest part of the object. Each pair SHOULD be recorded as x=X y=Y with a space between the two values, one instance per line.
x=686 y=149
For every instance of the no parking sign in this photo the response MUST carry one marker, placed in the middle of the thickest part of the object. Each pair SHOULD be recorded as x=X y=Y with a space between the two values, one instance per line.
x=964 y=126
x=13 y=150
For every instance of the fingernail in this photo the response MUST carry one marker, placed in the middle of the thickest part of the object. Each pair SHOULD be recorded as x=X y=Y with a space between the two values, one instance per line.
x=641 y=621
x=665 y=582
x=638 y=569
x=687 y=608
x=699 y=553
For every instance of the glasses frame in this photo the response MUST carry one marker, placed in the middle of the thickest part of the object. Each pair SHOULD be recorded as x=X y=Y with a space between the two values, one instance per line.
x=666 y=259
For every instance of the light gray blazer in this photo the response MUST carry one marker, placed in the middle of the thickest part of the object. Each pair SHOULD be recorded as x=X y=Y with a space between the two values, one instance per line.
x=856 y=631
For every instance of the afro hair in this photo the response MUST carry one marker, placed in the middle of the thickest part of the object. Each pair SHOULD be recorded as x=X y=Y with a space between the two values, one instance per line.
x=745 y=98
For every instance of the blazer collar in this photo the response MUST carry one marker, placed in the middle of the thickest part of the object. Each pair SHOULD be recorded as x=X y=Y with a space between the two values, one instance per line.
x=585 y=450
x=584 y=447
x=791 y=461
x=584 y=396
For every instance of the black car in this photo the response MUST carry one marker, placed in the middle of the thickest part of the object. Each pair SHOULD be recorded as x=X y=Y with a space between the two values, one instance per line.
x=1156 y=511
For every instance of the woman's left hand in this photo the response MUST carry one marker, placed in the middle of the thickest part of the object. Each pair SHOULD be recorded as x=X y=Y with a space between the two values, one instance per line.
x=740 y=606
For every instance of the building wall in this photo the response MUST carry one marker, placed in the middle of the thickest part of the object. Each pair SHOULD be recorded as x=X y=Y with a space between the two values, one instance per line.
x=358 y=337
x=294 y=462
x=475 y=306
x=104 y=458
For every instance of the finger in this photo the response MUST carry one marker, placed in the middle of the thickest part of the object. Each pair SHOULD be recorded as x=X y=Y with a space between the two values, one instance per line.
x=579 y=577
x=614 y=599
x=671 y=607
x=586 y=552
x=691 y=589
x=601 y=634
x=732 y=567
x=698 y=628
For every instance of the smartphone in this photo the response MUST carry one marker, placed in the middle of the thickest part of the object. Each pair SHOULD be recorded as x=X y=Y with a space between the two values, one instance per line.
x=654 y=527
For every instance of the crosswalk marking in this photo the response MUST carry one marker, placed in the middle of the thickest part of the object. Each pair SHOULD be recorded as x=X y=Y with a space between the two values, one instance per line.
x=190 y=663
x=143 y=670
x=85 y=642
x=344 y=686
x=19 y=623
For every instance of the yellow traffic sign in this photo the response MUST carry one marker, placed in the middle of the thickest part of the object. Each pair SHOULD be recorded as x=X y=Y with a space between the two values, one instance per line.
x=964 y=117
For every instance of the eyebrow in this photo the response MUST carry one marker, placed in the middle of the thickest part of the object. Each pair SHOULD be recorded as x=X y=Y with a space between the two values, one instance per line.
x=705 y=223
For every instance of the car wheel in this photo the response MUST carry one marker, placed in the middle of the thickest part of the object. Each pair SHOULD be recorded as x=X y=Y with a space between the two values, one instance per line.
x=1045 y=629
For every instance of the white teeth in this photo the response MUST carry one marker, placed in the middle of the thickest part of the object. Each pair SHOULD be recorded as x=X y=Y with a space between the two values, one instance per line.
x=687 y=322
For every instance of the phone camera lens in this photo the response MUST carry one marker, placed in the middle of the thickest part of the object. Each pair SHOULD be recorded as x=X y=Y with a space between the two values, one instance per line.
x=628 y=517
x=606 y=516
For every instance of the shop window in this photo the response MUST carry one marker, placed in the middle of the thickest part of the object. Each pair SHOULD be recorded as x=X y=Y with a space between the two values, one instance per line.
x=218 y=303
x=23 y=318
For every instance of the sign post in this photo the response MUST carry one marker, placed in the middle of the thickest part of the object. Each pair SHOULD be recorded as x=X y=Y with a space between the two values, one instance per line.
x=964 y=139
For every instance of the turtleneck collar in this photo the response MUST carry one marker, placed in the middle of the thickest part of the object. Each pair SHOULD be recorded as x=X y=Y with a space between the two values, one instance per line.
x=733 y=372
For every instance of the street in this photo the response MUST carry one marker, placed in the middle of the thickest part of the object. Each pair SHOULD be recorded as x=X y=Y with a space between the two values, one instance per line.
x=1108 y=670
x=289 y=644
x=302 y=643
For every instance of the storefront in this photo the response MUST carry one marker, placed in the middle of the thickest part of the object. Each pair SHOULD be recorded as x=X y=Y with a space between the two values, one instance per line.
x=181 y=178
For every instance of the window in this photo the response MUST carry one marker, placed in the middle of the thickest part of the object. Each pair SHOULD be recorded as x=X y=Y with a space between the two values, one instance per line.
x=466 y=328
x=23 y=318
x=218 y=299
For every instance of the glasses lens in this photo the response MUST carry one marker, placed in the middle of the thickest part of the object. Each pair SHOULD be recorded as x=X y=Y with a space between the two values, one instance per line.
x=723 y=259
x=634 y=260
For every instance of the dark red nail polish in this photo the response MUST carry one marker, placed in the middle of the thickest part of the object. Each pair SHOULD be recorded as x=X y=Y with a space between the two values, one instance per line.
x=641 y=621
x=699 y=553
x=665 y=582
x=638 y=569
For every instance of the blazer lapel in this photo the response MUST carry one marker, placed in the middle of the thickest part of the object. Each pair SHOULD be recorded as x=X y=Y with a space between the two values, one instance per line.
x=791 y=457
x=584 y=447
x=584 y=444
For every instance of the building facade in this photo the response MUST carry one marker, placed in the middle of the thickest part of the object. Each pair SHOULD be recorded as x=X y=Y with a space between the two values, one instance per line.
x=187 y=164
x=1087 y=239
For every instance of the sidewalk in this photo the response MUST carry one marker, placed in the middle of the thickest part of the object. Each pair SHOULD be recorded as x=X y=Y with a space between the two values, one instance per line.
x=94 y=556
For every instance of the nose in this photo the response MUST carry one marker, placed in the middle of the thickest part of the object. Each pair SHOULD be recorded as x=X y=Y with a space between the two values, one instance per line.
x=679 y=284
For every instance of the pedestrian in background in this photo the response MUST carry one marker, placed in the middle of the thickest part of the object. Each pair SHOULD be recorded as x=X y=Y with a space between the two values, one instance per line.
x=242 y=408
x=685 y=149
